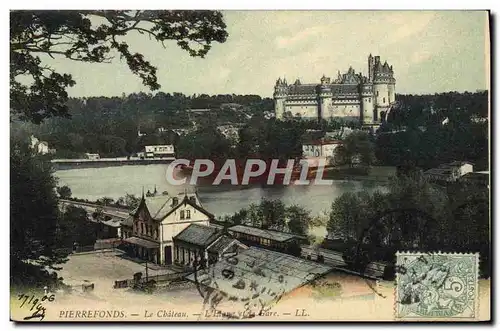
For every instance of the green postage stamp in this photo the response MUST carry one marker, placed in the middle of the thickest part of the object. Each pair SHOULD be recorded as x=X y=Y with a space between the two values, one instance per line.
x=436 y=285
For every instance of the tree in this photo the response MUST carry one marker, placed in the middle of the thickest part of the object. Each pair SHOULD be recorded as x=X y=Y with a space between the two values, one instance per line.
x=298 y=219
x=64 y=192
x=33 y=217
x=105 y=201
x=358 y=146
x=75 y=35
x=132 y=201
x=205 y=143
x=74 y=226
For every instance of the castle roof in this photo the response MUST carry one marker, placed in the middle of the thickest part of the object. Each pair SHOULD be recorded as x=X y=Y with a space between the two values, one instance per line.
x=302 y=89
x=312 y=88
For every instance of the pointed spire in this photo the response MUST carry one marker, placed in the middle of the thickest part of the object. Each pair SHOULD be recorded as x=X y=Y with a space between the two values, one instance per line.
x=142 y=191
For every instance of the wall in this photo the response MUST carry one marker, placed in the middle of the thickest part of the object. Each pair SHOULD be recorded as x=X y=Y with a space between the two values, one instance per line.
x=173 y=225
x=307 y=110
x=392 y=92
x=382 y=99
x=368 y=109
x=311 y=150
x=344 y=109
x=279 y=107
x=328 y=150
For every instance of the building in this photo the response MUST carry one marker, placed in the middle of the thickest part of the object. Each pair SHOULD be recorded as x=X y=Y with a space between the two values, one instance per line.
x=199 y=242
x=320 y=149
x=276 y=240
x=150 y=229
x=449 y=172
x=40 y=147
x=92 y=156
x=159 y=151
x=267 y=275
x=351 y=96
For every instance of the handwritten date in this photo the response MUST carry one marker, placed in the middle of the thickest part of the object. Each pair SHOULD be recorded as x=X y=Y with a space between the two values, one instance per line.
x=34 y=304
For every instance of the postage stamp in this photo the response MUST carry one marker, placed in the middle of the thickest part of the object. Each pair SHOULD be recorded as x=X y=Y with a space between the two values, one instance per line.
x=436 y=285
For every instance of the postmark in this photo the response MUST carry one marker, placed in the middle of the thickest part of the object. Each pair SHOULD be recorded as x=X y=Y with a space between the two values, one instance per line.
x=436 y=286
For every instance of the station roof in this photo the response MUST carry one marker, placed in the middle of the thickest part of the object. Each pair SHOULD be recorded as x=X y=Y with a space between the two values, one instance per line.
x=267 y=234
x=258 y=275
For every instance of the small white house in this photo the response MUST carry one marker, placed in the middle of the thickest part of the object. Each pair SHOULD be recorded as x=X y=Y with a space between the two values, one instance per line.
x=41 y=147
x=450 y=172
x=320 y=149
x=159 y=151
x=92 y=156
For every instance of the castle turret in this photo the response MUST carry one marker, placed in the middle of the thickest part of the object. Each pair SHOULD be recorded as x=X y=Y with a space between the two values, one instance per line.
x=370 y=67
x=324 y=97
x=280 y=94
x=366 y=112
x=383 y=88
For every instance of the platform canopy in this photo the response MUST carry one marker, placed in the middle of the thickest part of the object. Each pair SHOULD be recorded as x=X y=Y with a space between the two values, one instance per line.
x=142 y=242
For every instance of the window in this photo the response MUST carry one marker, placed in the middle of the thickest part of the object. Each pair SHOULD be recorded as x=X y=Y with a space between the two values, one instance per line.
x=369 y=99
x=182 y=214
x=383 y=100
x=377 y=93
x=188 y=214
x=142 y=228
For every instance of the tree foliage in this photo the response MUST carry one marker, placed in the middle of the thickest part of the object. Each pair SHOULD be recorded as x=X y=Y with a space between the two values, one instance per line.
x=33 y=215
x=425 y=131
x=96 y=37
x=274 y=215
x=413 y=215
x=358 y=147
x=64 y=192
x=74 y=227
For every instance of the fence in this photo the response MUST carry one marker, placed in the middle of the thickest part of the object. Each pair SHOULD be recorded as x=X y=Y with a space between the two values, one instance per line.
x=107 y=243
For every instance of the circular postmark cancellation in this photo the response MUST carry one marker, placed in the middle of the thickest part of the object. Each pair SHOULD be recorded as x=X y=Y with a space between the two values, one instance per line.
x=237 y=287
x=436 y=285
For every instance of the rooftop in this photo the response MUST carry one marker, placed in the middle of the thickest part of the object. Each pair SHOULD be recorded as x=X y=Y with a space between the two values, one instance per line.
x=160 y=206
x=197 y=234
x=257 y=270
x=220 y=244
x=267 y=234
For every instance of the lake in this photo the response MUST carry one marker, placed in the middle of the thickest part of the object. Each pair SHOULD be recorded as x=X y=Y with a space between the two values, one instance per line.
x=115 y=182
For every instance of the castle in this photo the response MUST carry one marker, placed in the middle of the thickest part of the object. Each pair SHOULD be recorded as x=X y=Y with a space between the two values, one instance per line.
x=351 y=96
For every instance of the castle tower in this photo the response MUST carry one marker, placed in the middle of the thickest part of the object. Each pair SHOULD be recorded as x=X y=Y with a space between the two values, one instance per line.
x=366 y=112
x=324 y=98
x=383 y=88
x=280 y=94
x=370 y=67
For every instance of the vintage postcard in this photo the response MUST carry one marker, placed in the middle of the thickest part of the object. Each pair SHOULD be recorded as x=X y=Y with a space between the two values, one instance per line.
x=198 y=166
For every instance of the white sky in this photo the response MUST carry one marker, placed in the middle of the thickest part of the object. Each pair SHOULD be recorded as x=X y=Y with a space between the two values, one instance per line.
x=431 y=51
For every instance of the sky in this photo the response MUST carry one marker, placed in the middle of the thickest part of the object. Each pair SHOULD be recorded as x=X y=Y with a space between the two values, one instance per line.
x=430 y=51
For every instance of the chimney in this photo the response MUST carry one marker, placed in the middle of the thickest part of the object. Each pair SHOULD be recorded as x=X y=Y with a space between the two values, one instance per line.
x=175 y=201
